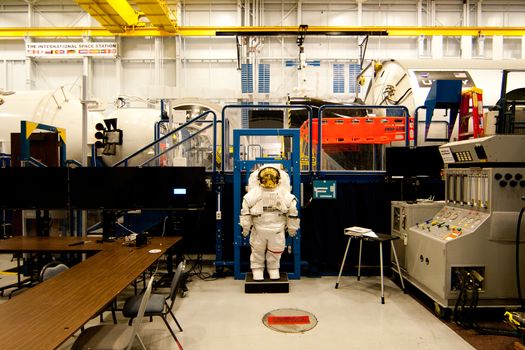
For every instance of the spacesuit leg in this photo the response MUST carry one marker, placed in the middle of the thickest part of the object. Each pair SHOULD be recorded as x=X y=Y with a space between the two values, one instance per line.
x=275 y=249
x=258 y=246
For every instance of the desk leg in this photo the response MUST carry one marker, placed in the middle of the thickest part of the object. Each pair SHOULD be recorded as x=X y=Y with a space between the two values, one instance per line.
x=381 y=263
x=18 y=283
x=398 y=267
x=343 y=263
x=359 y=265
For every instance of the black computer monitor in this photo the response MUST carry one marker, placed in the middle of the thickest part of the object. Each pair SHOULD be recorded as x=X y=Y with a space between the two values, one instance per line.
x=125 y=188
x=103 y=188
x=34 y=188
x=413 y=161
x=171 y=187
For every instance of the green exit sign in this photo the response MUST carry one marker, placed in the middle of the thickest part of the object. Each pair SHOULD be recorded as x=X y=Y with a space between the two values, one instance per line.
x=324 y=189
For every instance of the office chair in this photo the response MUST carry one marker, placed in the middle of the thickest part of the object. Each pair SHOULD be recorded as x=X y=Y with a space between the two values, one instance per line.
x=114 y=336
x=158 y=304
x=51 y=270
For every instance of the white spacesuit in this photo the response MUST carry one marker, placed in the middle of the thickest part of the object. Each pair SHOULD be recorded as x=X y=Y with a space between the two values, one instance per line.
x=268 y=208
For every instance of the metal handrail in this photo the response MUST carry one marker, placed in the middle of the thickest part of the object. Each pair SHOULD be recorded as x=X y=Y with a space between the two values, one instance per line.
x=74 y=162
x=34 y=162
x=240 y=106
x=175 y=145
x=191 y=121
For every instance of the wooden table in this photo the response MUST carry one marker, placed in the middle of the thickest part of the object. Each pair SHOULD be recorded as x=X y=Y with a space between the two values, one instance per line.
x=46 y=315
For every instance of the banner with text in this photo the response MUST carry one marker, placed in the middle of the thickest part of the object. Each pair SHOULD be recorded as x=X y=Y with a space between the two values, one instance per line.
x=71 y=50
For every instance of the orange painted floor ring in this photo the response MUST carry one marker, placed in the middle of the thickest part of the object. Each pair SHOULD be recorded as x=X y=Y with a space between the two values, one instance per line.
x=272 y=320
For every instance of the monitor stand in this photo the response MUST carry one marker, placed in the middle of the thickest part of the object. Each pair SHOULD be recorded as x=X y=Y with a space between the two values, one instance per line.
x=109 y=225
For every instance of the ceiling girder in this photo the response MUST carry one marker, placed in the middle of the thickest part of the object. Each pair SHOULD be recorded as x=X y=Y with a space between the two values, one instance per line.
x=159 y=14
x=113 y=15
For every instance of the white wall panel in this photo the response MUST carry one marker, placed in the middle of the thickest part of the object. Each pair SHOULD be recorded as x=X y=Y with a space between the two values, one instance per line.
x=104 y=80
x=60 y=19
x=10 y=19
x=288 y=17
x=340 y=48
x=205 y=47
x=138 y=81
x=515 y=18
x=138 y=48
x=12 y=75
x=137 y=78
x=211 y=80
x=210 y=14
x=51 y=74
x=385 y=48
x=282 y=79
x=448 y=19
x=452 y=47
x=495 y=19
x=382 y=18
x=343 y=19
x=512 y=48
x=488 y=47
x=315 y=18
x=12 y=49
x=274 y=47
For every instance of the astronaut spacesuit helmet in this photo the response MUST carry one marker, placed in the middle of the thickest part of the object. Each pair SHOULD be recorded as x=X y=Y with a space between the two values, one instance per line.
x=269 y=177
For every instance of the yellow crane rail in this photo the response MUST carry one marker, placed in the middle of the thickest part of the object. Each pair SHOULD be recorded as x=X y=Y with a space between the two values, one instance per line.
x=133 y=31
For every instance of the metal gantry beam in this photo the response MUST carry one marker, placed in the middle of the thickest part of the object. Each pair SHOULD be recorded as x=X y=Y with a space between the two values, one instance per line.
x=113 y=15
x=262 y=31
x=158 y=14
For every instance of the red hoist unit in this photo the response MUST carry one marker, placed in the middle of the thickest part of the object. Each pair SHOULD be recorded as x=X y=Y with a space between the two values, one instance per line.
x=471 y=108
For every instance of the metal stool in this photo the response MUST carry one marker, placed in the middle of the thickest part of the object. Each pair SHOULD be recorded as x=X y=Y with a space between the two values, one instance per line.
x=380 y=238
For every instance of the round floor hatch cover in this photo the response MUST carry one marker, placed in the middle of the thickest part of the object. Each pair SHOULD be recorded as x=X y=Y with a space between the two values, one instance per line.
x=290 y=320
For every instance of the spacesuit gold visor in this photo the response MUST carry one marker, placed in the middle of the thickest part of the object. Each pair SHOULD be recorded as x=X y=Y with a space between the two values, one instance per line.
x=269 y=178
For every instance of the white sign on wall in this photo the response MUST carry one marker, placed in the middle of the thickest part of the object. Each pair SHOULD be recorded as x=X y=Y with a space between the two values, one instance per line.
x=71 y=50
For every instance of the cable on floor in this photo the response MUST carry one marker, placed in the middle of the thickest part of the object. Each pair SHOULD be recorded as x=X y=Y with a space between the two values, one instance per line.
x=466 y=305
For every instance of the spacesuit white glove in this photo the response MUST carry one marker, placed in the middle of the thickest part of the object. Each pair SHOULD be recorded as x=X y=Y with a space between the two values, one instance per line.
x=245 y=232
x=292 y=233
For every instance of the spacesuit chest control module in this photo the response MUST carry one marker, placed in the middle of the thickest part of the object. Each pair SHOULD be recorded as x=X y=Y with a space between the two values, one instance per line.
x=268 y=210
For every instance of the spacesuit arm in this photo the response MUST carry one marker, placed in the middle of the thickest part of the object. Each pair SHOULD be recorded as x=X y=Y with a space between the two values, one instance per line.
x=292 y=220
x=245 y=219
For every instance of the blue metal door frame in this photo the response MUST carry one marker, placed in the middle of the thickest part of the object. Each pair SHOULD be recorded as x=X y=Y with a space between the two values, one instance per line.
x=293 y=166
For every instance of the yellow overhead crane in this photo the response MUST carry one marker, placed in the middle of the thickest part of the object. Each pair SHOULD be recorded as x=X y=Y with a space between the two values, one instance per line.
x=141 y=31
x=158 y=14
x=113 y=15
x=118 y=16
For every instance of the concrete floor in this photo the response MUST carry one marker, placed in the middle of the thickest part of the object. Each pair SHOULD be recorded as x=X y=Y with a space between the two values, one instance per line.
x=219 y=315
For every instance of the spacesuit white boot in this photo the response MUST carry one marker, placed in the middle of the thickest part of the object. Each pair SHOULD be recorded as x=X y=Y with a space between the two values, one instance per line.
x=258 y=274
x=274 y=274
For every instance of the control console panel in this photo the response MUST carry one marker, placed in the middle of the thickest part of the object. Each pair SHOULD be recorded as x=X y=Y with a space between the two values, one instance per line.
x=450 y=223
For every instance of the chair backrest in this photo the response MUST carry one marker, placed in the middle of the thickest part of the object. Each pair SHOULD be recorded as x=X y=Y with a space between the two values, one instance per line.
x=176 y=281
x=142 y=309
x=51 y=270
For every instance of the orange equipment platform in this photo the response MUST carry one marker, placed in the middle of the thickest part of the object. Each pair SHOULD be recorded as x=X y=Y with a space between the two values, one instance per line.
x=359 y=130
